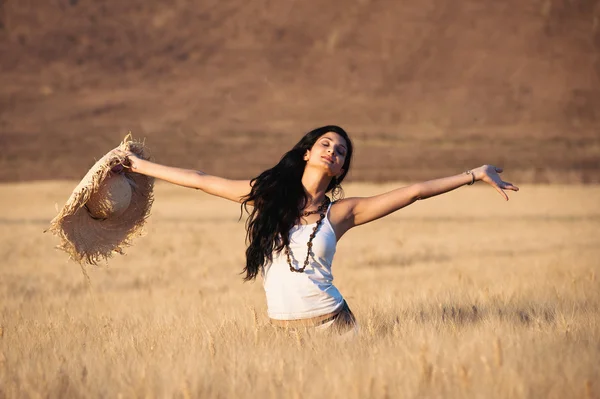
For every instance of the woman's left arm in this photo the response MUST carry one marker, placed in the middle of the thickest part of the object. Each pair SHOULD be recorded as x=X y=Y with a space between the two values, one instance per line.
x=364 y=210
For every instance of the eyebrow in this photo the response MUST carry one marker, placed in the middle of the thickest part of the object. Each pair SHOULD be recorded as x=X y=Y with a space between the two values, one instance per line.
x=330 y=139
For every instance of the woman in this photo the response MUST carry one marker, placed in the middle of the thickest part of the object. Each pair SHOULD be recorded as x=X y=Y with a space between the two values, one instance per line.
x=293 y=227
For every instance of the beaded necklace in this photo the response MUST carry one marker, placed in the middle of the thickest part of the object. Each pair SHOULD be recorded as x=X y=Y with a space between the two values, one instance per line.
x=321 y=210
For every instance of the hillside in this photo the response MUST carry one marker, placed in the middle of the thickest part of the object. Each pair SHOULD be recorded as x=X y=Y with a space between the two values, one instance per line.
x=425 y=88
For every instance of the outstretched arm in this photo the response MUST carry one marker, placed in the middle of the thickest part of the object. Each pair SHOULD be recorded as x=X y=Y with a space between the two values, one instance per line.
x=364 y=210
x=234 y=190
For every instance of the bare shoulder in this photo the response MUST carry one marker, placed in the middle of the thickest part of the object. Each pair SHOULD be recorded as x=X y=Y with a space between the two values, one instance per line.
x=341 y=214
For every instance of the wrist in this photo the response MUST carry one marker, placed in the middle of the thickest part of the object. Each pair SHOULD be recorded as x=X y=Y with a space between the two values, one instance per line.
x=135 y=163
x=478 y=173
x=470 y=177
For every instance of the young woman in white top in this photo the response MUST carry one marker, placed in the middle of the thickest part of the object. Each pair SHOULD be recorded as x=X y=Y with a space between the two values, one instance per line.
x=293 y=226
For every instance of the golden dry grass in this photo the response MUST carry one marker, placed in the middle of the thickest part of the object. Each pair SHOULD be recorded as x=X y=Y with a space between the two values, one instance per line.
x=457 y=296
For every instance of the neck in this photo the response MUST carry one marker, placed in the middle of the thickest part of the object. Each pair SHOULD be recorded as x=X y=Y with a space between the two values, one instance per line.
x=315 y=185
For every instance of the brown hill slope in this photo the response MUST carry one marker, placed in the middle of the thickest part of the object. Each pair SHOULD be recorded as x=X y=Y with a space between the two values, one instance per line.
x=425 y=88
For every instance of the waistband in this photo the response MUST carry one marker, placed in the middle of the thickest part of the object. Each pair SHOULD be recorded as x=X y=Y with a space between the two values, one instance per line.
x=315 y=321
x=311 y=322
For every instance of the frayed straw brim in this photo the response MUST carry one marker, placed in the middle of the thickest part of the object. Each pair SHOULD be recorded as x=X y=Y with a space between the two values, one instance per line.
x=89 y=240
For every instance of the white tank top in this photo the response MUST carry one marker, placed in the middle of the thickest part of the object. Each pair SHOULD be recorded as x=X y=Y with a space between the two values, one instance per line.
x=292 y=295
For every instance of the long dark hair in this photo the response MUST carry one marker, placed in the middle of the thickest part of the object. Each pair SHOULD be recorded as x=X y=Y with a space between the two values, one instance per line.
x=278 y=196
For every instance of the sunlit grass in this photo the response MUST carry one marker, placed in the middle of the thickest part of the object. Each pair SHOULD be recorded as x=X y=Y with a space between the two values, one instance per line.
x=462 y=295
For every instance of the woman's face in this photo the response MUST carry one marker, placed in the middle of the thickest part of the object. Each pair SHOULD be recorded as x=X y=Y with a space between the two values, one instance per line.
x=329 y=152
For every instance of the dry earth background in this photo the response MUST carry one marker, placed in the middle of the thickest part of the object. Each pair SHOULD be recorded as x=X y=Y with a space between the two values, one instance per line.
x=458 y=296
x=424 y=87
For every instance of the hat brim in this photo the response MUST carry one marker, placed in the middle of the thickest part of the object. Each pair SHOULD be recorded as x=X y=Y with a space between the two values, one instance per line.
x=88 y=240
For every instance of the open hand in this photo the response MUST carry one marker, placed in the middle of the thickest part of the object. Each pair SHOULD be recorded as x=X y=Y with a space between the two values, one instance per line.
x=490 y=175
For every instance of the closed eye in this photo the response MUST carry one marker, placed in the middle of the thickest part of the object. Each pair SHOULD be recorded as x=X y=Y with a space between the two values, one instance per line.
x=339 y=149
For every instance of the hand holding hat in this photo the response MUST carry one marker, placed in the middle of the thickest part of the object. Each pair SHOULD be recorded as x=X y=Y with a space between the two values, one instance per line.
x=128 y=158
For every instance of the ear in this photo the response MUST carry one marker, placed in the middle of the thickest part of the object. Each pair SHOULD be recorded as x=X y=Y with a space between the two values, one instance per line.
x=307 y=155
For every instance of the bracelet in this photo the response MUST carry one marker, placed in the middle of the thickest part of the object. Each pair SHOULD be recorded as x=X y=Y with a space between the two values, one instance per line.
x=470 y=172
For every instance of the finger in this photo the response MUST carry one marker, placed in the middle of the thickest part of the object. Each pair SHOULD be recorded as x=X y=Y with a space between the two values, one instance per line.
x=510 y=186
x=498 y=169
x=502 y=193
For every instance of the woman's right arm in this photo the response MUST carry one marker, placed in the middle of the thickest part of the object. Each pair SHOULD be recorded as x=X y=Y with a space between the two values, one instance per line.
x=234 y=190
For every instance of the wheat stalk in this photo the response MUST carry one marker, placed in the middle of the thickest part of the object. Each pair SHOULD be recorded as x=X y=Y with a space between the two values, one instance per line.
x=426 y=366
x=298 y=338
x=498 y=352
x=465 y=377
x=255 y=324
x=371 y=325
x=185 y=390
x=211 y=346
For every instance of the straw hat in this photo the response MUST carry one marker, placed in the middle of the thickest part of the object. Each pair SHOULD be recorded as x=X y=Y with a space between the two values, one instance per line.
x=107 y=209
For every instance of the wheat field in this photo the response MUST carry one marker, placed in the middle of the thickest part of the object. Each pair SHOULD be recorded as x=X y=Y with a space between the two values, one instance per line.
x=462 y=295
